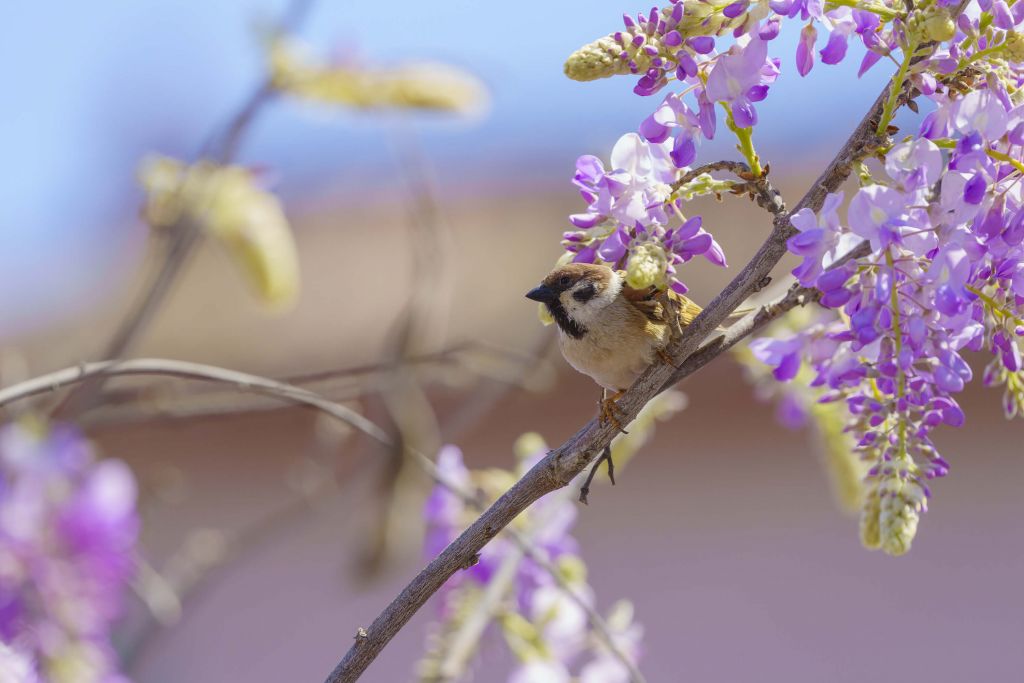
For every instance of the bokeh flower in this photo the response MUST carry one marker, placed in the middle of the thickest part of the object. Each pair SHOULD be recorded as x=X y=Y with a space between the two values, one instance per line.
x=68 y=529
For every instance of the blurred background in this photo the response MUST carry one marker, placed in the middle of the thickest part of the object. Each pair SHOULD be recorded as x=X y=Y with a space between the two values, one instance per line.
x=723 y=531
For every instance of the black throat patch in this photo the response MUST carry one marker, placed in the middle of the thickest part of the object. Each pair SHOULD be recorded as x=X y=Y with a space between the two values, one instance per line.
x=567 y=324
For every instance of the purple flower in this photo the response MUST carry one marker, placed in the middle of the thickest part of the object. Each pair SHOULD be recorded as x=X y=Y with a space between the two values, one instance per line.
x=820 y=241
x=805 y=49
x=739 y=78
x=68 y=529
x=781 y=354
x=843 y=25
x=674 y=117
x=876 y=214
x=982 y=112
x=791 y=8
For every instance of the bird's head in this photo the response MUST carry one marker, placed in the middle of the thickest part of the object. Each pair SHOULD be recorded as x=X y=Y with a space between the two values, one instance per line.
x=576 y=294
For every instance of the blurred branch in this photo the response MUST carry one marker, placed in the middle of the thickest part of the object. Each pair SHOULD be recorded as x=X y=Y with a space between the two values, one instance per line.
x=500 y=368
x=563 y=464
x=182 y=238
x=421 y=324
x=186 y=370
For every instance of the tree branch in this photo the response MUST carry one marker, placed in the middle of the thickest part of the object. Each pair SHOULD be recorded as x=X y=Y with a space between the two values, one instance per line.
x=561 y=465
x=209 y=373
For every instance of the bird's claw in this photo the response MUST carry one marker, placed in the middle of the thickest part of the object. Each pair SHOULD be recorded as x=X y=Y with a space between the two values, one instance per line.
x=667 y=359
x=607 y=415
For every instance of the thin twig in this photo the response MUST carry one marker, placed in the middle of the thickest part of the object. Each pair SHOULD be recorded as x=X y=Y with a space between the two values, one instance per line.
x=176 y=368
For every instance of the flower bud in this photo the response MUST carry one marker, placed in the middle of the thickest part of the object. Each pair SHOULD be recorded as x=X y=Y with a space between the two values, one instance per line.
x=931 y=23
x=647 y=265
x=599 y=59
x=1014 y=46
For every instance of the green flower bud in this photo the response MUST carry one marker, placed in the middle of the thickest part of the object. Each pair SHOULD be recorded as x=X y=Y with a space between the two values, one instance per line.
x=599 y=59
x=647 y=265
x=931 y=24
x=1014 y=46
x=891 y=515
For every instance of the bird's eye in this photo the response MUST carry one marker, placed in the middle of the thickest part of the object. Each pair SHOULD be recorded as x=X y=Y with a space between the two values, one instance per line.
x=565 y=280
x=585 y=293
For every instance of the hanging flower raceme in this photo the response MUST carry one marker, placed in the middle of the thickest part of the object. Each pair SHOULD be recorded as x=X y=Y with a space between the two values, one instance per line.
x=227 y=203
x=429 y=86
x=664 y=44
x=68 y=529
x=541 y=600
x=541 y=616
x=945 y=248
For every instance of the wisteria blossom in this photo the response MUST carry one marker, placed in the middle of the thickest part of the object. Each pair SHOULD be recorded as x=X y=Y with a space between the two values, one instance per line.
x=939 y=280
x=942 y=223
x=67 y=535
x=544 y=603
x=543 y=617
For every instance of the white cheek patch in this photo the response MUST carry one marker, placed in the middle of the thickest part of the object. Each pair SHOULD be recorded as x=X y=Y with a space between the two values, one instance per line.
x=585 y=312
x=612 y=290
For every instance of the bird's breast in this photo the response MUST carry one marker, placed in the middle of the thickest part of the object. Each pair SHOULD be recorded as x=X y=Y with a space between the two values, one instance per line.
x=614 y=355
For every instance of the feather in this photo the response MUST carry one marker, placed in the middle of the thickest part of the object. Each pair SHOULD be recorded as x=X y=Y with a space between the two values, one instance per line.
x=651 y=303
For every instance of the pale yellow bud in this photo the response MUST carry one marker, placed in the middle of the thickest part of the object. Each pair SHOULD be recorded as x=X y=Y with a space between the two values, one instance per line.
x=891 y=515
x=412 y=86
x=599 y=59
x=227 y=204
x=544 y=315
x=572 y=569
x=1014 y=46
x=931 y=23
x=647 y=265
x=899 y=515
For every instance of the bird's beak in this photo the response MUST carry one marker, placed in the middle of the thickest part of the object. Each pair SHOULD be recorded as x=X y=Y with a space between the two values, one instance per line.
x=543 y=294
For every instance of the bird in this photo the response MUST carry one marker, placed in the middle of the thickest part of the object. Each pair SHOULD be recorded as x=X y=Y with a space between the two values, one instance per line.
x=608 y=330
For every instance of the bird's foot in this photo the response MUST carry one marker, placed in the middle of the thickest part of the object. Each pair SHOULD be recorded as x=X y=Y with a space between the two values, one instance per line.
x=608 y=413
x=667 y=359
x=606 y=455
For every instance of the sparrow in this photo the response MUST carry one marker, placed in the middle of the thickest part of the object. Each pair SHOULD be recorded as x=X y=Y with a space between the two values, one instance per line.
x=608 y=330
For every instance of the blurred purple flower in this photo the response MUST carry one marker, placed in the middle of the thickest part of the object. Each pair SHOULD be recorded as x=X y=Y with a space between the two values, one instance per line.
x=68 y=529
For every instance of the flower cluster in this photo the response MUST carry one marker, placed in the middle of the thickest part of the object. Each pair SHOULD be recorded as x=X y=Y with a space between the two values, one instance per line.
x=632 y=220
x=942 y=276
x=635 y=217
x=542 y=616
x=943 y=222
x=539 y=599
x=67 y=533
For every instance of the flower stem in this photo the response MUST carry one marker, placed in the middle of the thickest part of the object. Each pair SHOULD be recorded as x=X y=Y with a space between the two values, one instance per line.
x=895 y=89
x=1002 y=156
x=745 y=137
x=996 y=308
x=881 y=10
x=897 y=329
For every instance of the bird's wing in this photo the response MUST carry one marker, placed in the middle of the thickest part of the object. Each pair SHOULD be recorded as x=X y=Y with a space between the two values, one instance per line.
x=651 y=303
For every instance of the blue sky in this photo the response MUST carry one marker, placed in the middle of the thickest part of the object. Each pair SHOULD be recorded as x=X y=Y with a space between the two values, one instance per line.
x=94 y=86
